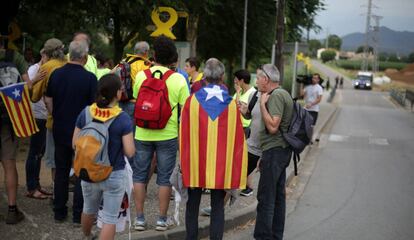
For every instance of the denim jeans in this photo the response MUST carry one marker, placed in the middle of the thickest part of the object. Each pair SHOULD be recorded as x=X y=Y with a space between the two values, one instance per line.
x=166 y=156
x=216 y=217
x=271 y=195
x=111 y=191
x=34 y=157
x=63 y=159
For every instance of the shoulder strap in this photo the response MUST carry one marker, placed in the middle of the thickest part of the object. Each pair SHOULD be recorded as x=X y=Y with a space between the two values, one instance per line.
x=167 y=74
x=253 y=101
x=133 y=60
x=88 y=116
x=9 y=55
x=148 y=73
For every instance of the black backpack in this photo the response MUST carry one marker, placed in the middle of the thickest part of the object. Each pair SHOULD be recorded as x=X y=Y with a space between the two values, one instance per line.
x=299 y=133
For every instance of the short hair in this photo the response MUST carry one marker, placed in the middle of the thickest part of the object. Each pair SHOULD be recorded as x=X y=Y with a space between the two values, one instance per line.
x=78 y=50
x=164 y=50
x=270 y=71
x=141 y=48
x=213 y=70
x=317 y=74
x=88 y=38
x=194 y=62
x=243 y=74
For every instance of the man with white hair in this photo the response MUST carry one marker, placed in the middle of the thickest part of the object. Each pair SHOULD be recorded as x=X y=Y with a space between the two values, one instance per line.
x=137 y=62
x=276 y=108
x=71 y=88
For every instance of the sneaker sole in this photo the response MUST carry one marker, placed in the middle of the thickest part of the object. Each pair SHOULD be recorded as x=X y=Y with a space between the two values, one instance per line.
x=140 y=228
x=159 y=228
x=246 y=194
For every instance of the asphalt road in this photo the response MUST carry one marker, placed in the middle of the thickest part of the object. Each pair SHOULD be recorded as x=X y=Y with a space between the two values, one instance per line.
x=361 y=184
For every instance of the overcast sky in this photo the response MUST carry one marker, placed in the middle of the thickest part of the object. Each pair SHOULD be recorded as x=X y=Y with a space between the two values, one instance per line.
x=347 y=16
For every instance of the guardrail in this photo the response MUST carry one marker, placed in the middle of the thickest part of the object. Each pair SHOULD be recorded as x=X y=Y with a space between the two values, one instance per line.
x=398 y=96
x=409 y=95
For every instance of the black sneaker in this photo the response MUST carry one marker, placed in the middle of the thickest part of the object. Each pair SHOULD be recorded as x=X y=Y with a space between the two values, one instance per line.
x=247 y=192
x=14 y=216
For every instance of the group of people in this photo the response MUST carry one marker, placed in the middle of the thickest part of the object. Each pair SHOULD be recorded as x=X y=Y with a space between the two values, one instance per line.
x=67 y=89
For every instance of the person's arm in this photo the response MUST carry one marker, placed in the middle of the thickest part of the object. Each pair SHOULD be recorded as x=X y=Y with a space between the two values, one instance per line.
x=75 y=136
x=128 y=143
x=271 y=122
x=49 y=104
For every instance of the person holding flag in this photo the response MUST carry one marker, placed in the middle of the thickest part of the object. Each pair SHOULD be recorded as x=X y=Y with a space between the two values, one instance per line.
x=213 y=149
x=14 y=102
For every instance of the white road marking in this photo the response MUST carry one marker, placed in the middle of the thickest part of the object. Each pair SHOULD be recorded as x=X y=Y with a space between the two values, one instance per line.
x=379 y=141
x=338 y=138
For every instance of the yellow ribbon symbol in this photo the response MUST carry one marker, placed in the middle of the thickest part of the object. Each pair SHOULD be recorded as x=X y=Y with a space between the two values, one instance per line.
x=164 y=28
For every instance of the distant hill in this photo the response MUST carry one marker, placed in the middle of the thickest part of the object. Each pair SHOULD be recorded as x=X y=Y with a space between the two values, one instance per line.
x=390 y=41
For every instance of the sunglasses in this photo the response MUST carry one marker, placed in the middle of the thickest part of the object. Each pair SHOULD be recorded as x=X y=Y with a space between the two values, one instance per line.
x=261 y=68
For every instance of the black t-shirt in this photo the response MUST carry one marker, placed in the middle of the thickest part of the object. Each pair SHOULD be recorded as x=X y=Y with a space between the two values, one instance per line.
x=72 y=88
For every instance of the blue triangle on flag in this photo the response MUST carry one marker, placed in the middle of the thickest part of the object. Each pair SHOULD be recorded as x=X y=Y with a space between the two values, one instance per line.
x=14 y=91
x=214 y=99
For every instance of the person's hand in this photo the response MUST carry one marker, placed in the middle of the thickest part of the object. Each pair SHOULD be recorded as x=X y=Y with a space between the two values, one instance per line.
x=242 y=107
x=40 y=75
x=258 y=165
x=237 y=88
x=264 y=98
x=307 y=106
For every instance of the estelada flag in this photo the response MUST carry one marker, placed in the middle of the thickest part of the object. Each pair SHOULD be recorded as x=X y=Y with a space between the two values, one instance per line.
x=15 y=98
x=213 y=150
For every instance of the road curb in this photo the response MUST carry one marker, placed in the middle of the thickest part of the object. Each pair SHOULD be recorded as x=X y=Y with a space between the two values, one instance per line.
x=232 y=219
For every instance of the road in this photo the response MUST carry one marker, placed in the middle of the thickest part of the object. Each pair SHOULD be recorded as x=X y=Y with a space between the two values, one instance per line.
x=361 y=184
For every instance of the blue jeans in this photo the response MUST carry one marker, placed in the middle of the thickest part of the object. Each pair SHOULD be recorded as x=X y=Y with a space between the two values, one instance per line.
x=111 y=191
x=271 y=195
x=129 y=108
x=166 y=155
x=36 y=151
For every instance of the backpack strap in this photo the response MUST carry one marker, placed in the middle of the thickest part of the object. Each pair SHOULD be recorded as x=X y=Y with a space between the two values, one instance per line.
x=148 y=73
x=296 y=159
x=252 y=102
x=167 y=74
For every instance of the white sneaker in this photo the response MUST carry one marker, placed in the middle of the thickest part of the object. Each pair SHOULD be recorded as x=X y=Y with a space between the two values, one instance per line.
x=164 y=225
x=140 y=225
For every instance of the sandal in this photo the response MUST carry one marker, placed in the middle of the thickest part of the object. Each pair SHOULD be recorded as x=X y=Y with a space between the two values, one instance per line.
x=37 y=195
x=45 y=192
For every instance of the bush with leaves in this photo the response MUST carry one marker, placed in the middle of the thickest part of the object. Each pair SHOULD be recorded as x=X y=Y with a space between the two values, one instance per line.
x=328 y=55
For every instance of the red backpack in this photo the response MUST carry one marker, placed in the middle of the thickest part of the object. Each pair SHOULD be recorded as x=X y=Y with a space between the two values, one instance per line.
x=152 y=108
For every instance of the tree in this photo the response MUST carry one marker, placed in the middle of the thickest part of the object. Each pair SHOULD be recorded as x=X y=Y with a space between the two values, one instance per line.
x=410 y=58
x=314 y=45
x=328 y=55
x=360 y=49
x=334 y=41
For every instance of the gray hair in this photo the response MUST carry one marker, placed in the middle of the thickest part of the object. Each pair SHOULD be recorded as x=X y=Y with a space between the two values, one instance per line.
x=213 y=70
x=270 y=71
x=56 y=54
x=141 y=48
x=78 y=50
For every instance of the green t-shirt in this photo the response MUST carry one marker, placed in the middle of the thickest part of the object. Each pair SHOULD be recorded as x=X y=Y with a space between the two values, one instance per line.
x=279 y=104
x=18 y=60
x=102 y=71
x=244 y=97
x=177 y=93
x=91 y=65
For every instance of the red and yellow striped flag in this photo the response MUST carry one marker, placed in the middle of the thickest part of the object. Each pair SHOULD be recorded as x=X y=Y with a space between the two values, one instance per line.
x=15 y=98
x=213 y=150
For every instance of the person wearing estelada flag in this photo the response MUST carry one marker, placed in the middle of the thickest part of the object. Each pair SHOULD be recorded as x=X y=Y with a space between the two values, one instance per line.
x=213 y=149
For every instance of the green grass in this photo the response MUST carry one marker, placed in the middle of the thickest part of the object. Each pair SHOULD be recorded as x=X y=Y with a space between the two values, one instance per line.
x=356 y=64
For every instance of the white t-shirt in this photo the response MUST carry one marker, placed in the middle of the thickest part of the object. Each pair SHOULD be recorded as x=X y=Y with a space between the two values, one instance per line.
x=312 y=92
x=39 y=108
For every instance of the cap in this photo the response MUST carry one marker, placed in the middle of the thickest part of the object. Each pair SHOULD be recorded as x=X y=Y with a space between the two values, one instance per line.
x=52 y=44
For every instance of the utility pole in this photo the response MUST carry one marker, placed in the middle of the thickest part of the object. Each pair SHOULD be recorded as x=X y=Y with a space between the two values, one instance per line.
x=375 y=40
x=243 y=64
x=280 y=29
x=365 y=61
x=327 y=39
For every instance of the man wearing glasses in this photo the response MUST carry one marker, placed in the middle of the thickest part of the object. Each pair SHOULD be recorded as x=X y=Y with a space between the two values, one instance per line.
x=276 y=108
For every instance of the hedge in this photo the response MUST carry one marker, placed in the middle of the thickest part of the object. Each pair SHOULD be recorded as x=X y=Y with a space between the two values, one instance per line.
x=356 y=65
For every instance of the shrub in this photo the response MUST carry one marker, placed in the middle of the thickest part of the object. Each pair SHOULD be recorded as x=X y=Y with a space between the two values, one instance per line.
x=328 y=55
